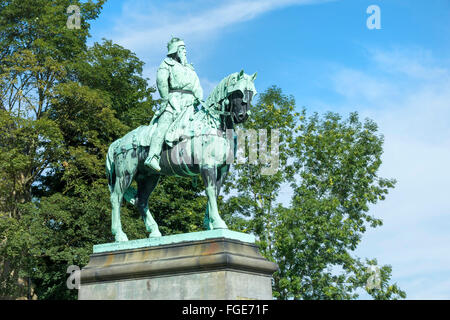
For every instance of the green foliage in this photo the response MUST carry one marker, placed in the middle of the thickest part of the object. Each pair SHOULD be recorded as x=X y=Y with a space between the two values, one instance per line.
x=257 y=193
x=15 y=261
x=177 y=205
x=41 y=27
x=331 y=165
x=28 y=147
x=116 y=72
x=35 y=49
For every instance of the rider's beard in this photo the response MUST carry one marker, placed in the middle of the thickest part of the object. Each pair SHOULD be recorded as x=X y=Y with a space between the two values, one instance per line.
x=183 y=59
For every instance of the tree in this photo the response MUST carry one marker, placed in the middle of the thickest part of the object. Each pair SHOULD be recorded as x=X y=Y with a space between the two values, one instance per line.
x=331 y=165
x=35 y=50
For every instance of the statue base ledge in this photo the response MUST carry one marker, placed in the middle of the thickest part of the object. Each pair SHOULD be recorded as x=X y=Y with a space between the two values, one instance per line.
x=218 y=268
x=172 y=239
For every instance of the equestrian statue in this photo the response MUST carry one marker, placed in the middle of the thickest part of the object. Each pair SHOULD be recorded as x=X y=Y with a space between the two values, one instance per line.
x=186 y=137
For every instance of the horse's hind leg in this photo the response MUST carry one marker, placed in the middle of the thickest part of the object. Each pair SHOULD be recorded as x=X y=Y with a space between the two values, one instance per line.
x=145 y=187
x=116 y=201
x=125 y=169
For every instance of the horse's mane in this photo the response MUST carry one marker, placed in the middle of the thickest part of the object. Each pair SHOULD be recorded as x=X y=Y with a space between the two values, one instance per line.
x=220 y=91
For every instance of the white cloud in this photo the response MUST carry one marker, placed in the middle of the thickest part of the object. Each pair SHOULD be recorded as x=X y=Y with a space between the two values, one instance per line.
x=359 y=86
x=408 y=95
x=414 y=62
x=143 y=24
x=145 y=27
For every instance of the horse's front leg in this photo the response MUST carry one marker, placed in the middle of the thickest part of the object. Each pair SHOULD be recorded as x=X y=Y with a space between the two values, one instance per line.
x=222 y=174
x=209 y=176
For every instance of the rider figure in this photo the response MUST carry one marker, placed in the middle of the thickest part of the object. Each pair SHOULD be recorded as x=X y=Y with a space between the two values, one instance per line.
x=179 y=88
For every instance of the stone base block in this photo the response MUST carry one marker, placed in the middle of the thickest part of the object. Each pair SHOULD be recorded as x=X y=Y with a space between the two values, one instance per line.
x=211 y=269
x=215 y=285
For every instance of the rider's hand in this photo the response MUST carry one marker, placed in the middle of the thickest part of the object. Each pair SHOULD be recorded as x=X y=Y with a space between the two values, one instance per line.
x=197 y=102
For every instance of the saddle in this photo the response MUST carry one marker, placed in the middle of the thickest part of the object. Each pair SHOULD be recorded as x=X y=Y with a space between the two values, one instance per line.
x=187 y=124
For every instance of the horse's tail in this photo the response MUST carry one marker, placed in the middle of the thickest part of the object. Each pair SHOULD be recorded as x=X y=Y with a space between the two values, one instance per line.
x=110 y=166
x=131 y=193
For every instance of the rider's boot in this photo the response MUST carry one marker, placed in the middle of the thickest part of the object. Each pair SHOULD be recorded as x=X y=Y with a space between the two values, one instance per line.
x=154 y=152
x=152 y=160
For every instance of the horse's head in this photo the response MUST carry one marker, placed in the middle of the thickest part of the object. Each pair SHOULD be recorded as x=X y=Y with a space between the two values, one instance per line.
x=232 y=97
x=241 y=89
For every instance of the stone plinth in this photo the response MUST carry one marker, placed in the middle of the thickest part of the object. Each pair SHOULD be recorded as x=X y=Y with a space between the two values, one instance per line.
x=202 y=265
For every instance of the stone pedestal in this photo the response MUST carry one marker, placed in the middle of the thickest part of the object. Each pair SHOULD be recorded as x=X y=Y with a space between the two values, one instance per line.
x=209 y=265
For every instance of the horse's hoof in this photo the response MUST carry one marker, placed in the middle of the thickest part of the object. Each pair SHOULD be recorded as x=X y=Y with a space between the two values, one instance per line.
x=121 y=237
x=219 y=225
x=155 y=234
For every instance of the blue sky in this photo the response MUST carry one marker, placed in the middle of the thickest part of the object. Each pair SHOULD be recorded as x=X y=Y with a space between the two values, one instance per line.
x=323 y=54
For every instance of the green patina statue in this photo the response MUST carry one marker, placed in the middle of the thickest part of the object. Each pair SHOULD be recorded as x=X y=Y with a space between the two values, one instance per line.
x=179 y=87
x=181 y=140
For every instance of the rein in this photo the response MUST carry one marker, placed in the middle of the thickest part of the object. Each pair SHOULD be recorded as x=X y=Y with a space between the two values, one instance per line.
x=216 y=112
x=213 y=110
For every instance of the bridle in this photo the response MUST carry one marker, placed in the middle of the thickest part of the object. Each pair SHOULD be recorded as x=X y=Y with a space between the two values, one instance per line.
x=219 y=108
